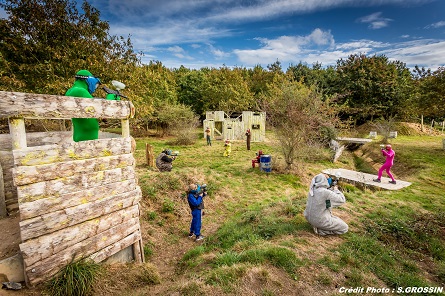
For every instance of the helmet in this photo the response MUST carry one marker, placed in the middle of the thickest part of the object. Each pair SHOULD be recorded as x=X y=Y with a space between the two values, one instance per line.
x=388 y=147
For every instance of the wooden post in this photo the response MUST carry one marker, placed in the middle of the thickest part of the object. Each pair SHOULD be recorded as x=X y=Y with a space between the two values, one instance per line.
x=18 y=133
x=421 y=122
x=2 y=195
x=149 y=155
x=125 y=128
x=138 y=252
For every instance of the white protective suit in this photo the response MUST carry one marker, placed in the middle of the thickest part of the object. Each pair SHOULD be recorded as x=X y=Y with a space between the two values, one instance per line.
x=316 y=212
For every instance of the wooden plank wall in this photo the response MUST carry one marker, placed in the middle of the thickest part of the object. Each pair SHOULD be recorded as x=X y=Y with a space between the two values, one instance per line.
x=259 y=119
x=33 y=140
x=76 y=200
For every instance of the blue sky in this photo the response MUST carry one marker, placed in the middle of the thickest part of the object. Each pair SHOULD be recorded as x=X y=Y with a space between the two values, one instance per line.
x=245 y=33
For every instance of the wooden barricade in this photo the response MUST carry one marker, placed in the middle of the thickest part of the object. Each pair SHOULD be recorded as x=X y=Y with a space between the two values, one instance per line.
x=76 y=199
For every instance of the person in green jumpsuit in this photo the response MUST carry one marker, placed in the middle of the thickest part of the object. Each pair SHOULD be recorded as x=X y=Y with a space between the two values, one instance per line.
x=84 y=86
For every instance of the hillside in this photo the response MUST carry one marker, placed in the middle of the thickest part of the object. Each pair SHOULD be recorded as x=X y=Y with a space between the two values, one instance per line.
x=257 y=240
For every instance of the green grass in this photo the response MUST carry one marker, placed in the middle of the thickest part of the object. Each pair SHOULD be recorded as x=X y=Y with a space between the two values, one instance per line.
x=396 y=238
x=75 y=279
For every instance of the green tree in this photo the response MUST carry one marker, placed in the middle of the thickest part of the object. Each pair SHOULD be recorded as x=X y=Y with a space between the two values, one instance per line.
x=226 y=90
x=153 y=87
x=373 y=87
x=324 y=79
x=191 y=89
x=44 y=42
x=431 y=93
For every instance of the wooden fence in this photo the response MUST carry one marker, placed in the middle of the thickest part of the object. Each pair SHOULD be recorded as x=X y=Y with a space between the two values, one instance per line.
x=75 y=199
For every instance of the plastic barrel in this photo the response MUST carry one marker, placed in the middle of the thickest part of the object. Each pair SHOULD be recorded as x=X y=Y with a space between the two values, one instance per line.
x=266 y=163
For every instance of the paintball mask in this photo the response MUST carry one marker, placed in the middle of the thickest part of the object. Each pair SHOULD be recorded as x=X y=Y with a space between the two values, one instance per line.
x=92 y=83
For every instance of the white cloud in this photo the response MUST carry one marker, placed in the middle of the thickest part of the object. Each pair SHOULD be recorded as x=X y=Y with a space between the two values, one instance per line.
x=176 y=49
x=170 y=33
x=159 y=26
x=294 y=49
x=420 y=52
x=436 y=25
x=285 y=48
x=219 y=54
x=364 y=43
x=375 y=20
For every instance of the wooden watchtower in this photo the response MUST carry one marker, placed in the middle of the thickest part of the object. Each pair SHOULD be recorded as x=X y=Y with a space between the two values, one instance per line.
x=75 y=199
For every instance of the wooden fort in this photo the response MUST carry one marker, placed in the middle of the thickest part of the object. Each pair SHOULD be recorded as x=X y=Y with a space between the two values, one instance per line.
x=75 y=199
x=223 y=126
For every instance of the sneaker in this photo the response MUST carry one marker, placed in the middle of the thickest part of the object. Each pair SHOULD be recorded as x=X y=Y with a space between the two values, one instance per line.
x=376 y=180
x=199 y=238
x=315 y=229
x=392 y=182
x=191 y=234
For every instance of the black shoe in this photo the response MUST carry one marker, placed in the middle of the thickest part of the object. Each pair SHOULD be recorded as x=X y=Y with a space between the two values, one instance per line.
x=376 y=180
x=392 y=182
x=191 y=234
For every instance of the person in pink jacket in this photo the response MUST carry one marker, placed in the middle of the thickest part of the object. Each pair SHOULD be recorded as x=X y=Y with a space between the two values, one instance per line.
x=389 y=154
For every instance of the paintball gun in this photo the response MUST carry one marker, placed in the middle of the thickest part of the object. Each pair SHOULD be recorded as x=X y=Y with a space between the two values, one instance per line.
x=115 y=94
x=203 y=188
x=334 y=184
x=336 y=179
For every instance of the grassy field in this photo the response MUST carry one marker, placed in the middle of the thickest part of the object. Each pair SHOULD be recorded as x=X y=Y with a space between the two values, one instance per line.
x=257 y=240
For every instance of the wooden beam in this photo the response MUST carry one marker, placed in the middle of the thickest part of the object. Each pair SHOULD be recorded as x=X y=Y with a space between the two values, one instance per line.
x=24 y=175
x=49 y=266
x=125 y=128
x=40 y=106
x=58 y=202
x=50 y=244
x=112 y=249
x=18 y=133
x=71 y=151
x=58 y=187
x=53 y=221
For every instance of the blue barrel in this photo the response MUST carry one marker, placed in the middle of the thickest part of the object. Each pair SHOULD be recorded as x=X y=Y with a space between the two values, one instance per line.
x=266 y=163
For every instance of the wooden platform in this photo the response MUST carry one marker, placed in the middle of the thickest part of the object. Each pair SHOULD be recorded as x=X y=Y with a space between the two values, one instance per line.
x=365 y=179
x=355 y=140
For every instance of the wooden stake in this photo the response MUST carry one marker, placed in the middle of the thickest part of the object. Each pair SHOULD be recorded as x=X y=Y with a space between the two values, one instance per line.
x=149 y=155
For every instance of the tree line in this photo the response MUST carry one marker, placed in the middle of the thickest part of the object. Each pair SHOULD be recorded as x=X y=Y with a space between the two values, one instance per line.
x=43 y=44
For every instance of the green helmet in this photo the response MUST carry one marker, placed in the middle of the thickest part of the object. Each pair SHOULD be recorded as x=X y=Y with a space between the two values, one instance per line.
x=83 y=74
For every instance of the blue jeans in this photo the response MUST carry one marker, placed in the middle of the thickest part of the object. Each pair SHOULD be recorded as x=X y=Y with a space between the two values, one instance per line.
x=195 y=227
